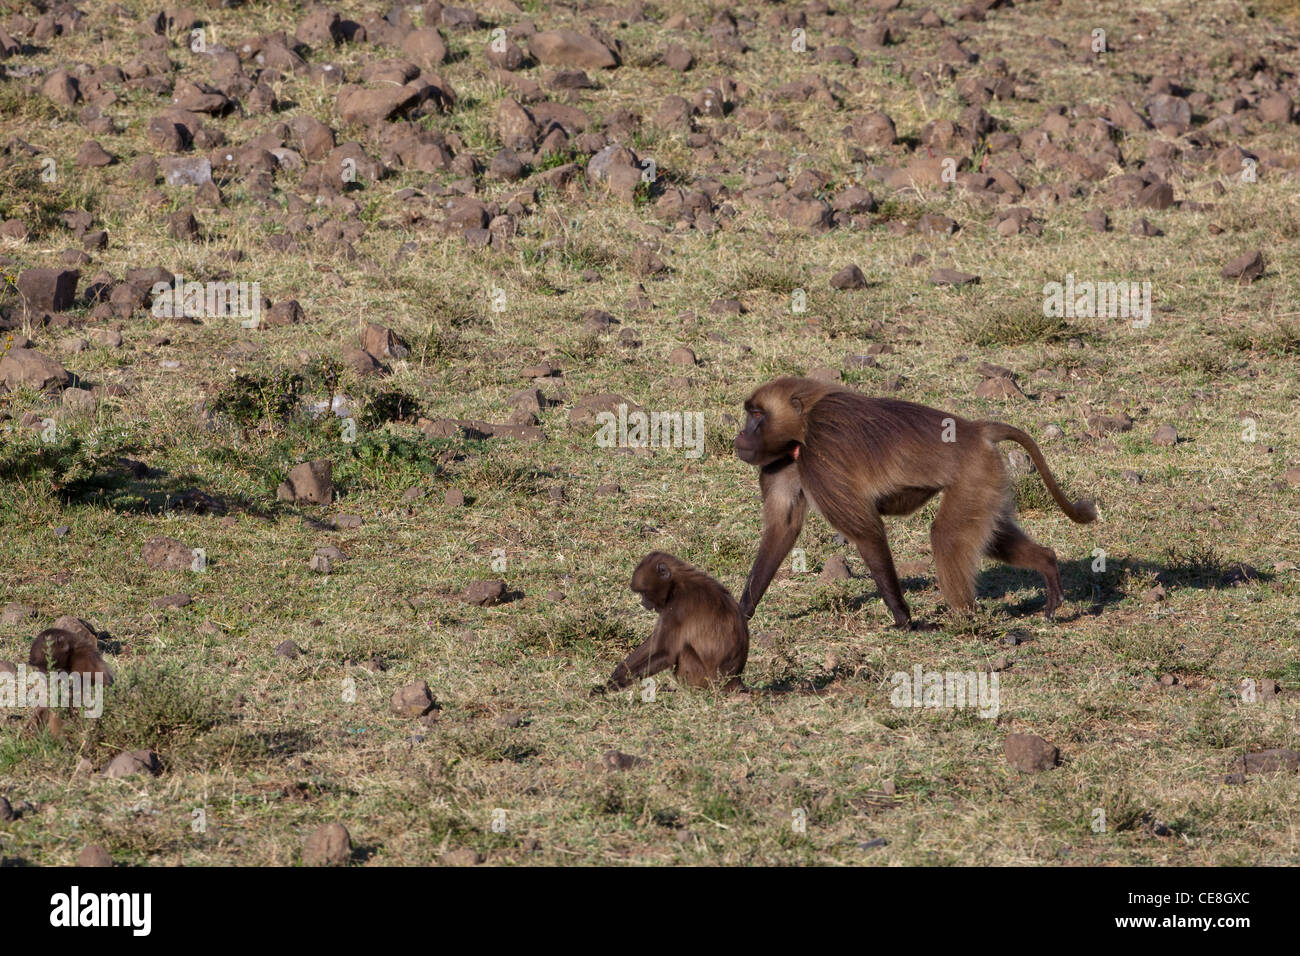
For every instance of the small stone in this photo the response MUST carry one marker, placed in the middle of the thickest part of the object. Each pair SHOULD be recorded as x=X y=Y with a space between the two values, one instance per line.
x=541 y=370
x=1000 y=387
x=413 y=700
x=835 y=569
x=288 y=312
x=1277 y=108
x=1101 y=424
x=312 y=482
x=131 y=762
x=484 y=593
x=167 y=554
x=461 y=857
x=953 y=277
x=182 y=226
x=1165 y=436
x=362 y=361
x=330 y=552
x=1272 y=761
x=1155 y=196
x=92 y=155
x=1244 y=268
x=94 y=855
x=383 y=342
x=850 y=277
x=934 y=225
x=330 y=845
x=615 y=760
x=567 y=48
x=1030 y=753
x=27 y=367
x=61 y=87
x=48 y=290
x=79 y=399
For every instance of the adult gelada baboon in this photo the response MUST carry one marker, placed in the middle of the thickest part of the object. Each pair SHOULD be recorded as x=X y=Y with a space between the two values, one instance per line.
x=856 y=459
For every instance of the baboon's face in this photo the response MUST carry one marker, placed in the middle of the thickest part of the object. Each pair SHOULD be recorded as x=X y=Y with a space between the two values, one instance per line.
x=773 y=425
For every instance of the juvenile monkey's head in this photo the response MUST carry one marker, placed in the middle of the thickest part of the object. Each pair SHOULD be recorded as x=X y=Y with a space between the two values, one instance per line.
x=653 y=579
x=774 y=419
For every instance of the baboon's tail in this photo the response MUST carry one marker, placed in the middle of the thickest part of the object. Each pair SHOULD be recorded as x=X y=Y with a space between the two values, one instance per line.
x=1081 y=511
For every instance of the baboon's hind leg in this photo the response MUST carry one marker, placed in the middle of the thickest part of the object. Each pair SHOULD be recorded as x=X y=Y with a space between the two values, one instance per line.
x=1011 y=545
x=691 y=669
x=961 y=531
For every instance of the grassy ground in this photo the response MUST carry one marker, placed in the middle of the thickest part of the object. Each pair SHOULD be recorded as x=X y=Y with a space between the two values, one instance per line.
x=271 y=748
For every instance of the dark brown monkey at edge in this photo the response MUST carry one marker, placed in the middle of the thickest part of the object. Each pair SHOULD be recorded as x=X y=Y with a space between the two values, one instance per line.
x=856 y=459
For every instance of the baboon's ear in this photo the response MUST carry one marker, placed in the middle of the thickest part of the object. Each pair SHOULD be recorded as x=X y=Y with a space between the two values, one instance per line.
x=663 y=571
x=796 y=405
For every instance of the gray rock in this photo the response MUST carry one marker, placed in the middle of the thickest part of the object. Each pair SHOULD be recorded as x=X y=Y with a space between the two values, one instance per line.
x=131 y=762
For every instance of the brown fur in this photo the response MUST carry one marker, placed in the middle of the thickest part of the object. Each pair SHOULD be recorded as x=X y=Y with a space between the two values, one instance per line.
x=857 y=458
x=65 y=652
x=700 y=633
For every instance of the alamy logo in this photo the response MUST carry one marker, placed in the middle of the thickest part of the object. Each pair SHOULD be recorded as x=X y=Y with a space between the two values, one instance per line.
x=211 y=300
x=103 y=909
x=58 y=690
x=1092 y=300
x=946 y=690
x=651 y=430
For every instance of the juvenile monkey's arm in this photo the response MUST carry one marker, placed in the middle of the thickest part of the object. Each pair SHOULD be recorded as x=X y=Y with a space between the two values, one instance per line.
x=650 y=658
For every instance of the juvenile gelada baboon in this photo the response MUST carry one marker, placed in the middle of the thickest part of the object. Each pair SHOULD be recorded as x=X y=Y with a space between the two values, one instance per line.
x=856 y=459
x=59 y=651
x=700 y=633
